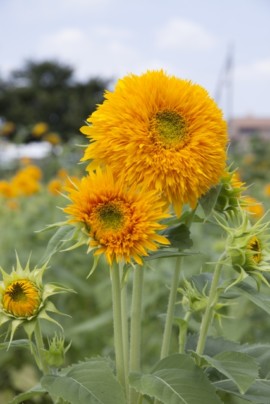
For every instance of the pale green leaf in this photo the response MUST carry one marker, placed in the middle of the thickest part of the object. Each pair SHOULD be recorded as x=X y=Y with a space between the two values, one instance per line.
x=91 y=382
x=176 y=380
x=257 y=297
x=35 y=391
x=19 y=343
x=258 y=393
x=57 y=242
x=236 y=366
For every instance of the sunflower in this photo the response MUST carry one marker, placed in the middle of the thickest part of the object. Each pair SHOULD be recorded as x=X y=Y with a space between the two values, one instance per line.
x=120 y=222
x=160 y=130
x=247 y=245
x=24 y=298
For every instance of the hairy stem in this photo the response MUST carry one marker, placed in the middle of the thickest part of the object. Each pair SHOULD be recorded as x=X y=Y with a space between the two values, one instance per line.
x=135 y=327
x=170 y=310
x=208 y=314
x=40 y=349
x=117 y=325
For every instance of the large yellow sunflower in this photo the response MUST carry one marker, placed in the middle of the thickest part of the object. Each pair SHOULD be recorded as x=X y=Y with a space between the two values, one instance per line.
x=160 y=130
x=120 y=222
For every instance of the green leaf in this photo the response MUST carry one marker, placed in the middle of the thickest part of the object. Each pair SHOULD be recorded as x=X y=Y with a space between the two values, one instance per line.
x=35 y=391
x=213 y=345
x=176 y=380
x=56 y=242
x=179 y=236
x=236 y=366
x=20 y=343
x=258 y=393
x=259 y=299
x=260 y=352
x=209 y=200
x=89 y=382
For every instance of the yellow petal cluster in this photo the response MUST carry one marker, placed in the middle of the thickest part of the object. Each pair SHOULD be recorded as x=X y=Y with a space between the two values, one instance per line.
x=121 y=222
x=162 y=131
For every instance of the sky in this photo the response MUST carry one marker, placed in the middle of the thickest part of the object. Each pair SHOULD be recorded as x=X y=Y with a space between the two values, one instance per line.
x=223 y=45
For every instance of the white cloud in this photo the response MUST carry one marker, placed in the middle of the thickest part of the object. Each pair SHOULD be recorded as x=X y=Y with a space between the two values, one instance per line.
x=179 y=34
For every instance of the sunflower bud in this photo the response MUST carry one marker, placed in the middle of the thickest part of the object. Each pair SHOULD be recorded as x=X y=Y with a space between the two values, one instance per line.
x=55 y=355
x=24 y=298
x=231 y=190
x=247 y=245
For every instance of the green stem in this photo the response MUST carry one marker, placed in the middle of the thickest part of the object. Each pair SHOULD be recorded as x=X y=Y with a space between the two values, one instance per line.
x=135 y=326
x=183 y=333
x=125 y=333
x=170 y=310
x=117 y=325
x=40 y=349
x=208 y=314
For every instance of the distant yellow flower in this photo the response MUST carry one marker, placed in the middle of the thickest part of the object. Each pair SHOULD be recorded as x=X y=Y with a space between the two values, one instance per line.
x=160 y=130
x=40 y=129
x=267 y=190
x=53 y=138
x=55 y=186
x=120 y=222
x=6 y=189
x=252 y=206
x=32 y=171
x=62 y=173
x=25 y=161
x=23 y=184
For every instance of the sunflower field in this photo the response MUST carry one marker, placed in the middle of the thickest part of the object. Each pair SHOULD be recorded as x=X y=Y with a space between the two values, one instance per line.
x=134 y=250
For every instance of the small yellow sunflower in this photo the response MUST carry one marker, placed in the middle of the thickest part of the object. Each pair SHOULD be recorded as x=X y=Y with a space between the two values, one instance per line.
x=120 y=222
x=24 y=298
x=160 y=130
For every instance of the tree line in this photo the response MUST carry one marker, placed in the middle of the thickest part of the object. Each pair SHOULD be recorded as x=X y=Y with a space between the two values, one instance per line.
x=48 y=92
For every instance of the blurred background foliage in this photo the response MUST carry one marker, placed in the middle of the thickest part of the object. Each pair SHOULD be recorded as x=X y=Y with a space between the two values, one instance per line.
x=48 y=92
x=42 y=99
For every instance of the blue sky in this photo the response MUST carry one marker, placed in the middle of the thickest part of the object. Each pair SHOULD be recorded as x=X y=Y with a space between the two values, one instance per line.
x=111 y=38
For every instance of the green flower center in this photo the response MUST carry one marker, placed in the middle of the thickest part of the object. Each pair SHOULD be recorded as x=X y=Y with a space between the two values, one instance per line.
x=110 y=216
x=169 y=128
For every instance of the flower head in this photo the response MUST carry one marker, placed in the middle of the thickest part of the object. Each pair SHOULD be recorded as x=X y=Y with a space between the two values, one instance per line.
x=117 y=221
x=248 y=245
x=24 y=297
x=162 y=131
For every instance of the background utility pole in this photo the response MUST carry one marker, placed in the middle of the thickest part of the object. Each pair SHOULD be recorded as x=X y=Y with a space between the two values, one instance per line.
x=224 y=90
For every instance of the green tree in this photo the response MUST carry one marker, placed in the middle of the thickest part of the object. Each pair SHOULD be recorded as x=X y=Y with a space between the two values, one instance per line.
x=48 y=92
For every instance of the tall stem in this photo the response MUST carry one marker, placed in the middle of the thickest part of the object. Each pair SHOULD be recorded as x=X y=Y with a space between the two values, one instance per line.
x=208 y=314
x=125 y=333
x=135 y=326
x=170 y=310
x=40 y=348
x=117 y=324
